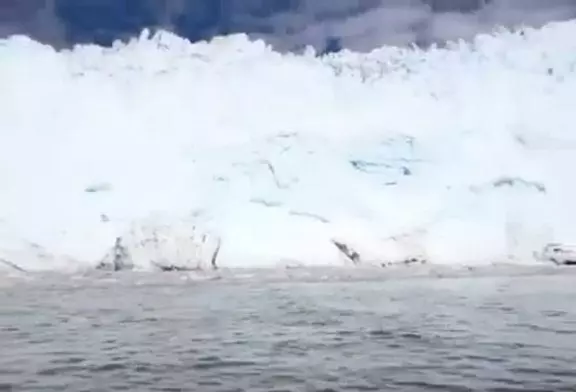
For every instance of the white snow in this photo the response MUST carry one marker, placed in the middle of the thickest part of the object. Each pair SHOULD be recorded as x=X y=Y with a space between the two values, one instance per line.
x=459 y=156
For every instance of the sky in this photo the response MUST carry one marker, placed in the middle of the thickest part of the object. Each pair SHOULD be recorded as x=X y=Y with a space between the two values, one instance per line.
x=288 y=24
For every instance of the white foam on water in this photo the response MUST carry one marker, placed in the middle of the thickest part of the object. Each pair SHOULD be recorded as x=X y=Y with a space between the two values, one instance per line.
x=458 y=156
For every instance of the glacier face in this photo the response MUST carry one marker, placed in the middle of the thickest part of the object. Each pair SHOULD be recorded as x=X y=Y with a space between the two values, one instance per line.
x=228 y=154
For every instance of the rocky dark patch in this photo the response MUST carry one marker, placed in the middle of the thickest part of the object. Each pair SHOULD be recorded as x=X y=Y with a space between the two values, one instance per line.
x=120 y=258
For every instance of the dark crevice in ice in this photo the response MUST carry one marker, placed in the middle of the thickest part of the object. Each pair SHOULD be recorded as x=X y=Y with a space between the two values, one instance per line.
x=348 y=252
x=309 y=215
x=12 y=265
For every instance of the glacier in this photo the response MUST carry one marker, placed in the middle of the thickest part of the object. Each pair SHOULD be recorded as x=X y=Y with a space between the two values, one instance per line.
x=160 y=154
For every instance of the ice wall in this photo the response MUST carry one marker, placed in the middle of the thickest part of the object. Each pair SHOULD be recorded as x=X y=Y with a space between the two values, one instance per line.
x=228 y=154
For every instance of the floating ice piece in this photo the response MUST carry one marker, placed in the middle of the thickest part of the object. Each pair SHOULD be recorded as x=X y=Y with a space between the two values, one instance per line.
x=560 y=254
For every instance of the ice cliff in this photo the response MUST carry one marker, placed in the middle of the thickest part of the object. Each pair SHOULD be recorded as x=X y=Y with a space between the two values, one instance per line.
x=162 y=154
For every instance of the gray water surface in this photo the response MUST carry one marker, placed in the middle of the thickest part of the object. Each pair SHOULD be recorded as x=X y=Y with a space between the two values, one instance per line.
x=172 y=334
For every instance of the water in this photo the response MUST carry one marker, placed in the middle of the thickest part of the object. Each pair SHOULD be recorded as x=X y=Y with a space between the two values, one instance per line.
x=170 y=333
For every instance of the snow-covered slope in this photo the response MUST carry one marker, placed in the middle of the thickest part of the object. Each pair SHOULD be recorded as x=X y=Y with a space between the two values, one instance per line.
x=164 y=153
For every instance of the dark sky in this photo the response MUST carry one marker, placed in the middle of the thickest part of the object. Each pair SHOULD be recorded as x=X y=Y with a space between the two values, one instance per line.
x=288 y=24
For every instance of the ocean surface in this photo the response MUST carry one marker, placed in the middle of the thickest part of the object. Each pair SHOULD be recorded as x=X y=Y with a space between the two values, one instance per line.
x=301 y=330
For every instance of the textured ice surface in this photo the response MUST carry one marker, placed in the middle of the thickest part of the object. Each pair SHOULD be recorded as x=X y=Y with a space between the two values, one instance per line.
x=175 y=150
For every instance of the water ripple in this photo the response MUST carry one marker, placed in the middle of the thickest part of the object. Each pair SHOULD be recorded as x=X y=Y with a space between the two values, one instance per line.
x=505 y=334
